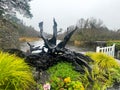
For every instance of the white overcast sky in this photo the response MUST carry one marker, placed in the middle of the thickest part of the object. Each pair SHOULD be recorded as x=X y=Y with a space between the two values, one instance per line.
x=68 y=12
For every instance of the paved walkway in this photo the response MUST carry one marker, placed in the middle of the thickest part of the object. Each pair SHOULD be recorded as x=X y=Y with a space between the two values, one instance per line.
x=118 y=60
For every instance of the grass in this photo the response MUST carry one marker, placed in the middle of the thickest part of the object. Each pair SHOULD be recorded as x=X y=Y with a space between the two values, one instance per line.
x=15 y=74
x=105 y=72
x=103 y=60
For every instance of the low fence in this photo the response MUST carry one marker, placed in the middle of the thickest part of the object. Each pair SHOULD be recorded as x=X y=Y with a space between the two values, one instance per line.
x=110 y=50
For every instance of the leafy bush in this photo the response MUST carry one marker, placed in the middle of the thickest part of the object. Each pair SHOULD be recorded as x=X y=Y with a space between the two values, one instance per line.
x=15 y=74
x=66 y=84
x=64 y=77
x=63 y=70
x=117 y=44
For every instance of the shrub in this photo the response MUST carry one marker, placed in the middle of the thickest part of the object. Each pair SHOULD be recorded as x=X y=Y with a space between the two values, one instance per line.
x=15 y=74
x=63 y=70
x=117 y=44
x=66 y=84
x=64 y=77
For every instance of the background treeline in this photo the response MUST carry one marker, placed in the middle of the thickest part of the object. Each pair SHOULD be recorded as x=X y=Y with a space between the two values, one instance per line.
x=91 y=33
x=92 y=29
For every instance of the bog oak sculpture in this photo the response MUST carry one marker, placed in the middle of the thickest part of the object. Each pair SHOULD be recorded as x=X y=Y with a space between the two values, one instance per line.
x=56 y=52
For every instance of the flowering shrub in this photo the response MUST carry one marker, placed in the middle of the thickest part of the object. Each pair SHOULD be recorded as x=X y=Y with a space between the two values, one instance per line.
x=65 y=84
x=62 y=79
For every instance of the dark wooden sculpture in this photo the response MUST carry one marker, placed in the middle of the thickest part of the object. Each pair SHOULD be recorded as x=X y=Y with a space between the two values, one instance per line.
x=50 y=44
x=55 y=52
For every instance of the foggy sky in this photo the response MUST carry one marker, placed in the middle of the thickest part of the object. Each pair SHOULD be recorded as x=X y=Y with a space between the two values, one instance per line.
x=68 y=12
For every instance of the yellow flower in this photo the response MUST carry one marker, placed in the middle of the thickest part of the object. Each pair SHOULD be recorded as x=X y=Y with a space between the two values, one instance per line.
x=67 y=80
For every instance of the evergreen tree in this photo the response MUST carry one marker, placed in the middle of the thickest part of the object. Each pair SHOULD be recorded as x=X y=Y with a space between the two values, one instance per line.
x=11 y=6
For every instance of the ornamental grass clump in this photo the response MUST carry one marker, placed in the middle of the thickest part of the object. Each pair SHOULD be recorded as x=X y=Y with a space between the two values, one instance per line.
x=105 y=72
x=103 y=60
x=15 y=74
